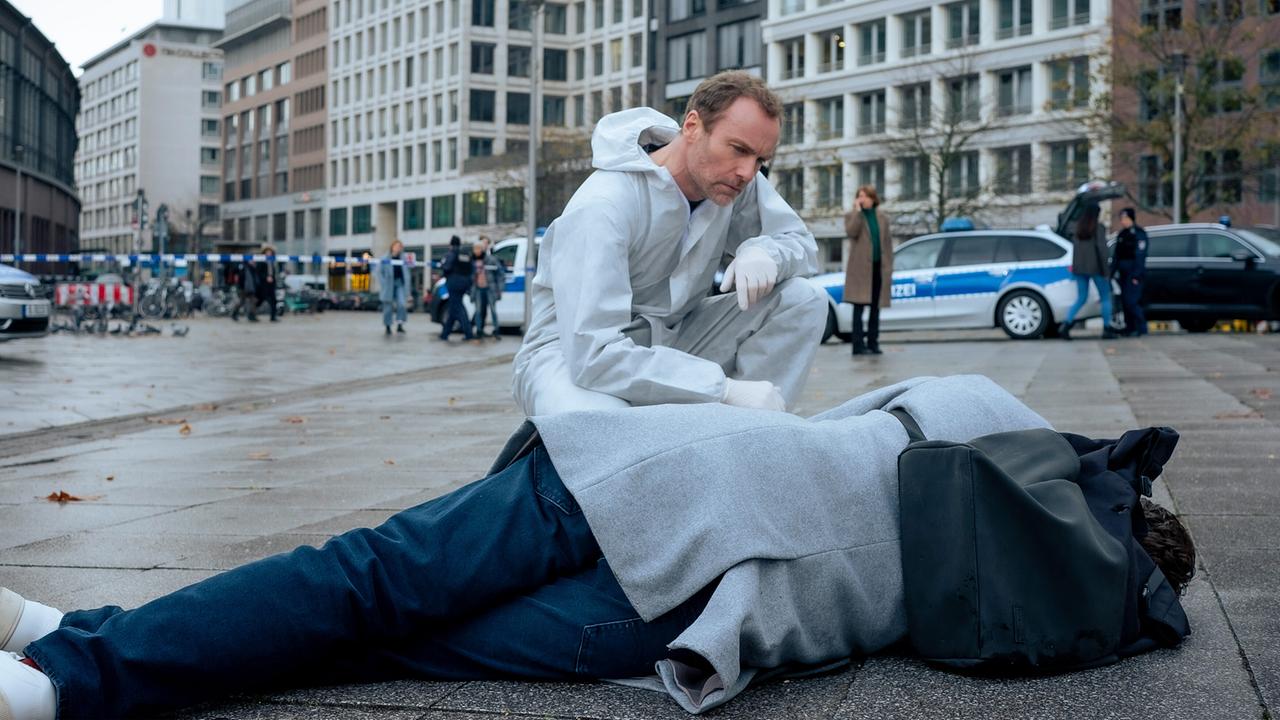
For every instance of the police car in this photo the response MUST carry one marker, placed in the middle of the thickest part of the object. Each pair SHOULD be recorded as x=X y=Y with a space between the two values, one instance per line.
x=1017 y=280
x=24 y=305
x=511 y=253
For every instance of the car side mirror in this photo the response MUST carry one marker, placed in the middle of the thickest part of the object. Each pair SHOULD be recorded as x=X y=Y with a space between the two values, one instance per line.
x=1244 y=256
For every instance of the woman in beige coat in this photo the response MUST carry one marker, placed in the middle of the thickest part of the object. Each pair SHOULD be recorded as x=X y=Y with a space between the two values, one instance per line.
x=869 y=269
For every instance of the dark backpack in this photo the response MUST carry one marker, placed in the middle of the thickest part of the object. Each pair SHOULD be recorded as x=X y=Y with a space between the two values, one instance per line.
x=1020 y=551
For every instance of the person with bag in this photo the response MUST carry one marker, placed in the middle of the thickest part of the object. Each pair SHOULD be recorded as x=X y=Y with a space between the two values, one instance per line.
x=678 y=553
x=1089 y=264
x=868 y=272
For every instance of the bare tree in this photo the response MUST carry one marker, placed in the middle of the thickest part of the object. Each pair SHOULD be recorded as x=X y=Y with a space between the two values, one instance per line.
x=564 y=163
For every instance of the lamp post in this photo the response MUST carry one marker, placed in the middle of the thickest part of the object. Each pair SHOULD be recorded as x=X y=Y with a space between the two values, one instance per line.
x=1179 y=66
x=535 y=9
x=18 y=151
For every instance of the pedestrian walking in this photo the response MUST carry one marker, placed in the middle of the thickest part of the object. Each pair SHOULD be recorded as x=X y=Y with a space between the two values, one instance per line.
x=1089 y=265
x=487 y=290
x=870 y=256
x=458 y=269
x=1131 y=267
x=268 y=279
x=247 y=285
x=393 y=284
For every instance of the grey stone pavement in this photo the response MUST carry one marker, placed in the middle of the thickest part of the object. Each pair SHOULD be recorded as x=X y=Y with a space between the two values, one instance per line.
x=194 y=455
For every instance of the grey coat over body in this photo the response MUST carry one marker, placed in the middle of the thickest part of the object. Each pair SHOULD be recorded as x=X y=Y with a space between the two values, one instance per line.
x=857 y=270
x=798 y=518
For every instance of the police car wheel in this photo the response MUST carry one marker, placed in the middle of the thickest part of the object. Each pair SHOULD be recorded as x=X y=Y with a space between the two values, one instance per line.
x=1023 y=315
x=831 y=326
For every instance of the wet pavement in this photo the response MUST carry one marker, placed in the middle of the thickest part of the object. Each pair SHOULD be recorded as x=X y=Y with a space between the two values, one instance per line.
x=197 y=454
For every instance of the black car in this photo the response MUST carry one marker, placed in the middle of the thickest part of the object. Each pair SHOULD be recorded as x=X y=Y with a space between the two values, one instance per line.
x=1198 y=274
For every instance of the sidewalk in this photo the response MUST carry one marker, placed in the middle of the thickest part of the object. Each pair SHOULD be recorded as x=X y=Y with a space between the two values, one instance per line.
x=347 y=442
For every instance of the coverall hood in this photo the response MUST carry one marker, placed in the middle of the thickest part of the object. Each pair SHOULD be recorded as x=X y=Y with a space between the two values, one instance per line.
x=619 y=139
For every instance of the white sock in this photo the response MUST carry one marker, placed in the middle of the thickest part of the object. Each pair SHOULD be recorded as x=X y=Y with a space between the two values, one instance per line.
x=27 y=691
x=36 y=621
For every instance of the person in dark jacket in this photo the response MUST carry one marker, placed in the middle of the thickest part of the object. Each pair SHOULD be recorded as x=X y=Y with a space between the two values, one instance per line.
x=458 y=269
x=268 y=277
x=1089 y=265
x=1131 y=266
x=247 y=285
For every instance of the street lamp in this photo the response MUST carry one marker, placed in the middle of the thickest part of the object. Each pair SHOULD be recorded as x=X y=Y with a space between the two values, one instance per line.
x=535 y=9
x=1179 y=61
x=18 y=152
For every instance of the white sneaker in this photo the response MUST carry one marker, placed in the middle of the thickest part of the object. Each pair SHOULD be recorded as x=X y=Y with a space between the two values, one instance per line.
x=25 y=693
x=23 y=621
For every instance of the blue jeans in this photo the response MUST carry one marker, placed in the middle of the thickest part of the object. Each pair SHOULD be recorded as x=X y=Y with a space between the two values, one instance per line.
x=1082 y=294
x=397 y=303
x=485 y=303
x=499 y=579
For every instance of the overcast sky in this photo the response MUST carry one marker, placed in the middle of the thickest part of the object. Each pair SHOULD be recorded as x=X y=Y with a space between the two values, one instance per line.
x=84 y=28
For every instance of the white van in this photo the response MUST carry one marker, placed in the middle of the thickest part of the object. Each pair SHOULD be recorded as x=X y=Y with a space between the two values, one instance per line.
x=511 y=253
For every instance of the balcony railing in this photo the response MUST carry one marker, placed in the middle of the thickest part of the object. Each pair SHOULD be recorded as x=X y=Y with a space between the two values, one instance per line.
x=871 y=58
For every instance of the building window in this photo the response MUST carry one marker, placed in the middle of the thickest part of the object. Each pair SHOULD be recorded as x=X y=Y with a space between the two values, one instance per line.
x=211 y=71
x=686 y=57
x=1068 y=164
x=361 y=219
x=917 y=34
x=1014 y=18
x=481 y=106
x=1162 y=14
x=555 y=64
x=1221 y=178
x=208 y=156
x=519 y=15
x=1013 y=170
x=1069 y=83
x=553 y=111
x=637 y=45
x=1014 y=92
x=482 y=58
x=963 y=100
x=510 y=202
x=681 y=9
x=518 y=60
x=871 y=42
x=481 y=12
x=871 y=113
x=830 y=186
x=475 y=207
x=442 y=208
x=871 y=173
x=914 y=175
x=915 y=109
x=792 y=58
x=792 y=124
x=1226 y=76
x=211 y=98
x=1155 y=187
x=1215 y=11
x=830 y=118
x=1069 y=12
x=963 y=23
x=415 y=214
x=1269 y=76
x=790 y=185
x=555 y=18
x=597 y=14
x=337 y=221
x=209 y=184
x=479 y=147
x=962 y=174
x=518 y=108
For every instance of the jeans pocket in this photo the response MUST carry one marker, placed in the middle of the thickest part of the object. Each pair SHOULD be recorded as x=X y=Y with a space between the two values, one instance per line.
x=618 y=649
x=547 y=483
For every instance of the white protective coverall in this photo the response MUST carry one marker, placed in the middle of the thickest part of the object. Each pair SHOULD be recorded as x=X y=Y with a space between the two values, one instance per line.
x=621 y=313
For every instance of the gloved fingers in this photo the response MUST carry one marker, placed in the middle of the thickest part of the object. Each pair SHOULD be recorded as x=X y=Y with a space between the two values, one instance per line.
x=727 y=282
x=744 y=300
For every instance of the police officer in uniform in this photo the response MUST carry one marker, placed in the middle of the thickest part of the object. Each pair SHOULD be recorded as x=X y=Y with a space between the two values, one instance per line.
x=1131 y=266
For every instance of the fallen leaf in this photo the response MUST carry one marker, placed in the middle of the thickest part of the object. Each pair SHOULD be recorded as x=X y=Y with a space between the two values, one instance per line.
x=333 y=351
x=260 y=455
x=294 y=419
x=389 y=462
x=1261 y=393
x=1109 y=351
x=1248 y=415
x=384 y=417
x=452 y=400
x=63 y=497
x=207 y=407
x=185 y=429
x=110 y=478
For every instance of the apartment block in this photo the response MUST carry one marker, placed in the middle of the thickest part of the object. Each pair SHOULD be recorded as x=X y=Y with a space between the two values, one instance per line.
x=698 y=38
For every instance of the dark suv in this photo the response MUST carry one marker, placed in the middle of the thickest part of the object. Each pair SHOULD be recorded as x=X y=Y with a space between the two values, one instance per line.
x=1200 y=273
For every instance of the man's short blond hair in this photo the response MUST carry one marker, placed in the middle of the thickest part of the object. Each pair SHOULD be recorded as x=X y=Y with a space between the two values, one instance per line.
x=714 y=95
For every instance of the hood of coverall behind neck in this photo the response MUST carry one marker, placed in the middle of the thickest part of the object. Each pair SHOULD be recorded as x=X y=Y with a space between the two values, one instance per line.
x=619 y=139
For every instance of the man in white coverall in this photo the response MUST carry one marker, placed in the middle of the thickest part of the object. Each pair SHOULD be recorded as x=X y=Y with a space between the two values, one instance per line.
x=621 y=313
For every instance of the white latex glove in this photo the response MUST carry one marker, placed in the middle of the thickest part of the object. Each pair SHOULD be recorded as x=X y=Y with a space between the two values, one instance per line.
x=753 y=272
x=757 y=394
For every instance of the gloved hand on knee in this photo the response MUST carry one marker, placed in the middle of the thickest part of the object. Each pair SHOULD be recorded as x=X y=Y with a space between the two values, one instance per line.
x=756 y=394
x=753 y=272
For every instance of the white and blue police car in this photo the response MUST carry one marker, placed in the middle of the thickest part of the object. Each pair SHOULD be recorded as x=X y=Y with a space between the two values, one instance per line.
x=1017 y=280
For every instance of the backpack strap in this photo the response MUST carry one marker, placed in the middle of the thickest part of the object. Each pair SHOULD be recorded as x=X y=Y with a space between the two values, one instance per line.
x=908 y=423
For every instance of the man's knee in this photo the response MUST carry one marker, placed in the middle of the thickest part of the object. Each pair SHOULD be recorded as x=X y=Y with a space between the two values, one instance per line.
x=802 y=294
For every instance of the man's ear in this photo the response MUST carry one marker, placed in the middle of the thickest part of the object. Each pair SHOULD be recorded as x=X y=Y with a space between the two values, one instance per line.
x=692 y=123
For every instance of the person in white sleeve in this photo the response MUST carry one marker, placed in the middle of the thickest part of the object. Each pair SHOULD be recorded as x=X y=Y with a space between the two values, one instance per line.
x=623 y=312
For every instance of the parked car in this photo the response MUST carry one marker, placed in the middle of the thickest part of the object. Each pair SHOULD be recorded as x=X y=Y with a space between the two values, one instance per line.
x=24 y=305
x=1017 y=280
x=1199 y=273
x=511 y=253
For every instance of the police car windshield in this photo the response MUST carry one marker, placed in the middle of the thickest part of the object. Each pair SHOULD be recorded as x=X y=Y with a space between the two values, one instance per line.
x=1267 y=246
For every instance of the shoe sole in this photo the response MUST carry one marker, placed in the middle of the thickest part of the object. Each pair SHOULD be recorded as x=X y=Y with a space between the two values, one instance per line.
x=11 y=605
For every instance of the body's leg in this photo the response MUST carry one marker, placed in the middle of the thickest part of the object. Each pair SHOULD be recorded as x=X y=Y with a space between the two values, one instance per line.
x=543 y=386
x=776 y=339
x=482 y=308
x=859 y=339
x=1082 y=295
x=386 y=312
x=283 y=619
x=399 y=297
x=873 y=312
x=1140 y=315
x=493 y=311
x=1103 y=284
